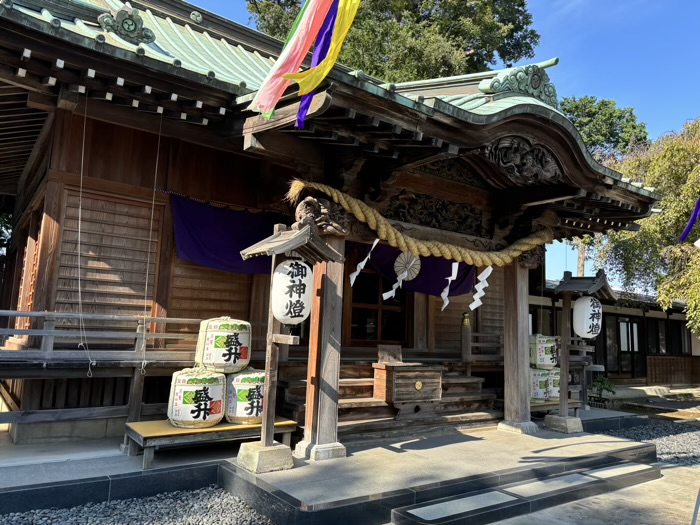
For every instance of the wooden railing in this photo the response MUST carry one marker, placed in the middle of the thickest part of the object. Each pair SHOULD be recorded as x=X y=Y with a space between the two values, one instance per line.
x=121 y=355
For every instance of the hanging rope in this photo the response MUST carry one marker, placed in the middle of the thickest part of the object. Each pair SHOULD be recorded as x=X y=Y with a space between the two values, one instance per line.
x=405 y=243
x=148 y=258
x=81 y=322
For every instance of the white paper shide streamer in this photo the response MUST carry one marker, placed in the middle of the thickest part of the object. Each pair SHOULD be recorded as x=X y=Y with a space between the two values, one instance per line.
x=361 y=265
x=446 y=292
x=480 y=288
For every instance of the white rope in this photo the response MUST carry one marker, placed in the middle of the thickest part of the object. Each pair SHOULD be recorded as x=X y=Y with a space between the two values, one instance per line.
x=81 y=322
x=144 y=362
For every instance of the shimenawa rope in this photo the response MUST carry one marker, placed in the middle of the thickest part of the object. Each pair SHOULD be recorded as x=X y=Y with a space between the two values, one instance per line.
x=386 y=232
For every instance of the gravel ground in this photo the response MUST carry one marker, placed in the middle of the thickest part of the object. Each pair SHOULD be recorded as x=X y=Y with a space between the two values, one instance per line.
x=208 y=506
x=677 y=443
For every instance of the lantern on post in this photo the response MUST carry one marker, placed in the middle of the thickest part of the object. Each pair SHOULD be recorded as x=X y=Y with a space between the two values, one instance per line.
x=292 y=284
x=588 y=316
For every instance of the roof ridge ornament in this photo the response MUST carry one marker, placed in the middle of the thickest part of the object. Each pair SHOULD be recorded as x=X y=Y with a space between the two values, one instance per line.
x=530 y=80
x=128 y=24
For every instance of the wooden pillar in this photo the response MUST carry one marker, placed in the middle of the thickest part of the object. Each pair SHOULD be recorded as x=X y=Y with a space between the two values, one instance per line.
x=516 y=359
x=321 y=418
x=271 y=362
x=466 y=341
x=564 y=355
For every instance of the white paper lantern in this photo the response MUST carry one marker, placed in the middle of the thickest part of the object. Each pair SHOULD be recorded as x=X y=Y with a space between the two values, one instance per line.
x=292 y=286
x=588 y=317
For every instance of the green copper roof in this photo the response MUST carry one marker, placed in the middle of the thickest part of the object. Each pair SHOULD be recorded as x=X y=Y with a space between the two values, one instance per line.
x=176 y=44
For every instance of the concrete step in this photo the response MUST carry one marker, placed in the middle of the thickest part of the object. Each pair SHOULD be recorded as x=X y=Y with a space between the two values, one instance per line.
x=539 y=492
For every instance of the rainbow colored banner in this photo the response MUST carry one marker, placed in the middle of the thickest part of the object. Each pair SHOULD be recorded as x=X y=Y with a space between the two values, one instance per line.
x=325 y=22
x=299 y=42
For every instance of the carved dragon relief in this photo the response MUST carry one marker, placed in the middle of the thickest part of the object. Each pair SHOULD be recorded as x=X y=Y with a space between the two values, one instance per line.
x=435 y=213
x=523 y=162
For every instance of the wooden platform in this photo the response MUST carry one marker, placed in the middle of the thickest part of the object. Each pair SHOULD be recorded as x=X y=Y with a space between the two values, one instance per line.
x=150 y=434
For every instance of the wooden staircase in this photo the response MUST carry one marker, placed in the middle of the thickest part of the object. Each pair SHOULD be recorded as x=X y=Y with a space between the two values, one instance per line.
x=362 y=417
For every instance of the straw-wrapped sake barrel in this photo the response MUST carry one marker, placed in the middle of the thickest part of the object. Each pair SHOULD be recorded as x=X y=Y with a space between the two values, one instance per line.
x=223 y=345
x=196 y=398
x=542 y=349
x=538 y=385
x=245 y=395
x=553 y=384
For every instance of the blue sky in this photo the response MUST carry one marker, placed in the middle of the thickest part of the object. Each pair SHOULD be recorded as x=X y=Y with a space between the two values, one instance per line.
x=641 y=53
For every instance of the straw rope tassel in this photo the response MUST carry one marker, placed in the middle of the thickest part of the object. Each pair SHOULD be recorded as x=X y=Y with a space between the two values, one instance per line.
x=386 y=232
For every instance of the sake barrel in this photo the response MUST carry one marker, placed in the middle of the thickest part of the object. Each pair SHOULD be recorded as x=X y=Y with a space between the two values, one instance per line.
x=538 y=385
x=196 y=398
x=223 y=345
x=542 y=351
x=245 y=395
x=553 y=384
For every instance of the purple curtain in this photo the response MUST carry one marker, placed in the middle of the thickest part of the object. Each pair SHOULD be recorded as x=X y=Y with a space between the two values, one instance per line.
x=214 y=237
x=433 y=274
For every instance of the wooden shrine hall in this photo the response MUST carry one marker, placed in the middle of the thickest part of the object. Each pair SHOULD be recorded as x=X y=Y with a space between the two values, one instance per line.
x=105 y=125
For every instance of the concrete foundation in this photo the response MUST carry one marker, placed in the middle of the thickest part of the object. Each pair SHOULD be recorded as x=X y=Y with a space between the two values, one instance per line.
x=303 y=449
x=564 y=424
x=259 y=459
x=36 y=433
x=519 y=427
x=327 y=451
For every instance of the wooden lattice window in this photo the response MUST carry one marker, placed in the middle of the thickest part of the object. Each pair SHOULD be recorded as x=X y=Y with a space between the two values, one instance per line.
x=369 y=319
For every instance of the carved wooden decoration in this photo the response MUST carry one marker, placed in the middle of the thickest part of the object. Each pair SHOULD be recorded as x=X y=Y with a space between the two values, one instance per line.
x=435 y=213
x=452 y=169
x=324 y=216
x=522 y=162
x=532 y=259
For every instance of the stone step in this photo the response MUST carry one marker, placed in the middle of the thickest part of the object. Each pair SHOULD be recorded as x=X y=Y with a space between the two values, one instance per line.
x=537 y=492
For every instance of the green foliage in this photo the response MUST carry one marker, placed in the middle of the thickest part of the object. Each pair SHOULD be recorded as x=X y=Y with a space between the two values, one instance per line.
x=403 y=40
x=652 y=260
x=608 y=131
x=5 y=231
x=602 y=384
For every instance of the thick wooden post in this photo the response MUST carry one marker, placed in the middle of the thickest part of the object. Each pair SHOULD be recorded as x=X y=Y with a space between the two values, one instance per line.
x=516 y=361
x=271 y=362
x=564 y=355
x=266 y=455
x=321 y=419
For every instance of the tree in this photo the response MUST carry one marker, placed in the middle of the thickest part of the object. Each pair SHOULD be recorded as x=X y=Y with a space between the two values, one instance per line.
x=402 y=40
x=652 y=259
x=608 y=131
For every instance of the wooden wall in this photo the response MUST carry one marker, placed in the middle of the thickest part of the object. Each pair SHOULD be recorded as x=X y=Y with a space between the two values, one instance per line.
x=448 y=323
x=119 y=256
